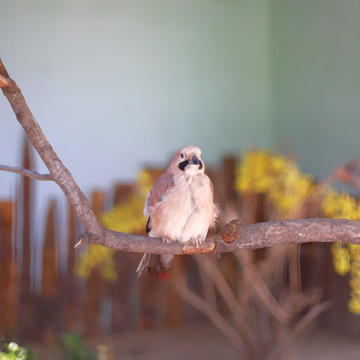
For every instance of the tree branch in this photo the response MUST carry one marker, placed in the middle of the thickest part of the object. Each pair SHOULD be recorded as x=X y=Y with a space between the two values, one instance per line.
x=25 y=172
x=58 y=171
x=234 y=237
x=255 y=236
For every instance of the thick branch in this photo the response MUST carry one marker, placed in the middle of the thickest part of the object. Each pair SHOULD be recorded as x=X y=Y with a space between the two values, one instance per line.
x=234 y=237
x=255 y=236
x=25 y=172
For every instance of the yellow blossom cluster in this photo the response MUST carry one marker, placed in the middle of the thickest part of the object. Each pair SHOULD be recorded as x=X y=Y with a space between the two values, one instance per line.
x=341 y=258
x=280 y=178
x=257 y=171
x=128 y=216
x=125 y=217
x=264 y=172
x=339 y=205
x=96 y=256
x=346 y=258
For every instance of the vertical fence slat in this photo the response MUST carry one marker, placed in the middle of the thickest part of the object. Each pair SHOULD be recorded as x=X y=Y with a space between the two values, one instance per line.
x=49 y=302
x=70 y=300
x=9 y=281
x=119 y=290
x=95 y=284
x=26 y=301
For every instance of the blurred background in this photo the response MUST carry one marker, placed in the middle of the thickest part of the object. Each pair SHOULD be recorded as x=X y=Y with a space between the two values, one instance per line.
x=118 y=87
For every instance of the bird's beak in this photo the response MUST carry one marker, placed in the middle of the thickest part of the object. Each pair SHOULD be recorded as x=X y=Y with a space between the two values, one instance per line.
x=194 y=160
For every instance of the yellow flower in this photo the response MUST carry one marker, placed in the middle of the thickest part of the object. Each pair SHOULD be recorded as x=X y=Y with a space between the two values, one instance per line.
x=341 y=258
x=346 y=258
x=354 y=305
x=126 y=217
x=287 y=188
x=264 y=172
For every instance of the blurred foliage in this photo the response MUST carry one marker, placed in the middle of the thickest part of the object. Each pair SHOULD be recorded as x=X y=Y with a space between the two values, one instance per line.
x=125 y=217
x=73 y=348
x=13 y=351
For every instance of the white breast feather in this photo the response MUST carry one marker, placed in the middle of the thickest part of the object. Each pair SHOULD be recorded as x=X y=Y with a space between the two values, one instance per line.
x=187 y=210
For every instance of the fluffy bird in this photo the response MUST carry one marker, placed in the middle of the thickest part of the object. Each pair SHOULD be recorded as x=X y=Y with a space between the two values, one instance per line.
x=180 y=207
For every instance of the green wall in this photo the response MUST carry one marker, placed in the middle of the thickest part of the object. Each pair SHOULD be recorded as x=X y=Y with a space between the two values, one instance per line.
x=121 y=83
x=135 y=79
x=316 y=81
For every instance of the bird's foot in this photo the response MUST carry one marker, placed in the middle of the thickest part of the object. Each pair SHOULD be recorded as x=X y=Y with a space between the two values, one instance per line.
x=197 y=242
x=166 y=240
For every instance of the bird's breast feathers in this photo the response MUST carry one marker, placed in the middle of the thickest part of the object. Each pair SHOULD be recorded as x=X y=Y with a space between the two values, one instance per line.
x=184 y=211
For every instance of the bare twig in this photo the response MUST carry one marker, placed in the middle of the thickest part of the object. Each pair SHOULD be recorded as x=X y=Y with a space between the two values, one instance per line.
x=230 y=299
x=308 y=319
x=25 y=172
x=250 y=237
x=205 y=308
x=263 y=292
x=348 y=173
x=223 y=287
x=208 y=288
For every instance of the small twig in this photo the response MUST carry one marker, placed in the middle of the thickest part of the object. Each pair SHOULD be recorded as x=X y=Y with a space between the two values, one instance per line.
x=212 y=314
x=306 y=321
x=208 y=287
x=229 y=297
x=25 y=172
x=263 y=293
x=223 y=287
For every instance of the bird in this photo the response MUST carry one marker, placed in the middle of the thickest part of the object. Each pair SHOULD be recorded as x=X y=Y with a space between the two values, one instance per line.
x=180 y=207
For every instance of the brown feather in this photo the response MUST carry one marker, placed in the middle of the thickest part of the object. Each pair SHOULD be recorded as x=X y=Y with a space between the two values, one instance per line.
x=161 y=186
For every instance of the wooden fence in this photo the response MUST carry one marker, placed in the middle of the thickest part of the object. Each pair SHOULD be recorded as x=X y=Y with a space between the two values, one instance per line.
x=95 y=306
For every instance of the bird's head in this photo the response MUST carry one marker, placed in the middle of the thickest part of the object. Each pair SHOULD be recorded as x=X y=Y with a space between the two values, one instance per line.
x=188 y=160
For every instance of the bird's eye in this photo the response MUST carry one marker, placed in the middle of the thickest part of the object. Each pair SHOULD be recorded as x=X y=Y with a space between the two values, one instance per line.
x=182 y=155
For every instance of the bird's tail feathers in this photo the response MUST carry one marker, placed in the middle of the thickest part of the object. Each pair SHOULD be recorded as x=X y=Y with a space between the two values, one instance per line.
x=154 y=264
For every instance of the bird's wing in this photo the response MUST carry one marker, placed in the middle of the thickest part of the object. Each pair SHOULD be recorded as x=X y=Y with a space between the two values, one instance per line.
x=211 y=187
x=216 y=209
x=157 y=193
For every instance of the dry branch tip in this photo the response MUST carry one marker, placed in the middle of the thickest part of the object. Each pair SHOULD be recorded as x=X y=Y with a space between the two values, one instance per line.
x=79 y=242
x=28 y=173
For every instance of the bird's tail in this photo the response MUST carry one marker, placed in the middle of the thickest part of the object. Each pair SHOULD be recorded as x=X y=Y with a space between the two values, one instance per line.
x=153 y=264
